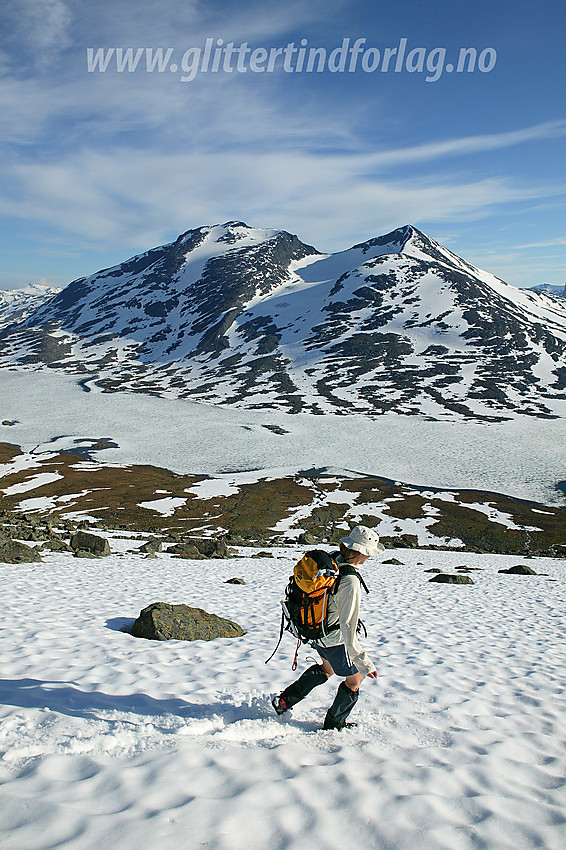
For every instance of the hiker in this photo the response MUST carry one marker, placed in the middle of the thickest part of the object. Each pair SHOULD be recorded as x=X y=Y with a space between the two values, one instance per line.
x=340 y=650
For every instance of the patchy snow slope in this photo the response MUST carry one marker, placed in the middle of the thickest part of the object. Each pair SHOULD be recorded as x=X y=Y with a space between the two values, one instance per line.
x=524 y=458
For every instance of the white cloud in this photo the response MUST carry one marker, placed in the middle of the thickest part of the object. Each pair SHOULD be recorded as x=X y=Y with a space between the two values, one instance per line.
x=547 y=244
x=129 y=160
x=136 y=197
x=468 y=145
x=40 y=28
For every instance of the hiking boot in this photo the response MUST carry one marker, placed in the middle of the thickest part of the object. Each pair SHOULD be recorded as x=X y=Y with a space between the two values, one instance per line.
x=280 y=705
x=294 y=693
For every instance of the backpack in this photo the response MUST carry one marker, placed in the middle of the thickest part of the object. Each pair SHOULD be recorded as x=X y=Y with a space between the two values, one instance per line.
x=305 y=607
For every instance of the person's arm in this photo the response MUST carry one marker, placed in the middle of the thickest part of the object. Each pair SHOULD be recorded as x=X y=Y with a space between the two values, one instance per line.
x=348 y=603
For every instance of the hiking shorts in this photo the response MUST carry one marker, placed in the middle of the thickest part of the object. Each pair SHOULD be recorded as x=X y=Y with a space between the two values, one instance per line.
x=338 y=659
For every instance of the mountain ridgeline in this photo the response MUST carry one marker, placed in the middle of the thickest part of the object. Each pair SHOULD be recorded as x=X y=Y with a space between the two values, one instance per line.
x=235 y=315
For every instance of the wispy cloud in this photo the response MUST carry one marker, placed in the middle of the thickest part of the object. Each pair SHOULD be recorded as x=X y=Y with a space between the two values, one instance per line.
x=136 y=197
x=39 y=28
x=468 y=145
x=548 y=244
x=129 y=160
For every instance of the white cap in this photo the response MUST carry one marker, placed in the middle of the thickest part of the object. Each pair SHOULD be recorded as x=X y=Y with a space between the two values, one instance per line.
x=363 y=540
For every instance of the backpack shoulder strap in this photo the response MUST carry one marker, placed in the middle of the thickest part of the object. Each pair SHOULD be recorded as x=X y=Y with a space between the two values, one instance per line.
x=347 y=570
x=322 y=559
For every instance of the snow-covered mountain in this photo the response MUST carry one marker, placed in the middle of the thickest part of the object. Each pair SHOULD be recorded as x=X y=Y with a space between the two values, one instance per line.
x=18 y=304
x=550 y=289
x=235 y=315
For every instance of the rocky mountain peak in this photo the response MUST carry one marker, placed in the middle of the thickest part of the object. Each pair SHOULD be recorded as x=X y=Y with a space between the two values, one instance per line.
x=237 y=315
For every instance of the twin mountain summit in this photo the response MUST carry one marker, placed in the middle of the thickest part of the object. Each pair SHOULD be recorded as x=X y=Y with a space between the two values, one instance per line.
x=236 y=315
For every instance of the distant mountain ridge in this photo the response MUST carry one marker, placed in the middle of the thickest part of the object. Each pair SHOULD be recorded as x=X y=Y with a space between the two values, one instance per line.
x=550 y=289
x=235 y=315
x=18 y=304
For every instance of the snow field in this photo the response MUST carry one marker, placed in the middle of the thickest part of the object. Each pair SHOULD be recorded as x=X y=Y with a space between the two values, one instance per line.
x=523 y=458
x=108 y=740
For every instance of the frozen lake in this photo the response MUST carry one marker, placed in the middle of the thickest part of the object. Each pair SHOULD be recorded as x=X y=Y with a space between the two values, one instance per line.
x=525 y=457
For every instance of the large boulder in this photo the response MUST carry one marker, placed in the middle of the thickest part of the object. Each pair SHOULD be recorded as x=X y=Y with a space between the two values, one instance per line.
x=185 y=550
x=519 y=570
x=13 y=552
x=162 y=621
x=307 y=538
x=55 y=544
x=86 y=545
x=151 y=546
x=445 y=578
x=200 y=547
x=400 y=541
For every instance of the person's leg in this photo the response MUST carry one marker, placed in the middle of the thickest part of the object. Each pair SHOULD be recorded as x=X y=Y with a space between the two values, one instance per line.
x=344 y=701
x=315 y=675
x=353 y=682
x=327 y=667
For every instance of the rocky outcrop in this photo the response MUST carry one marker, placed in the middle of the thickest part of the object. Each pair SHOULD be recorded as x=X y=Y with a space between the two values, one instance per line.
x=199 y=548
x=445 y=578
x=307 y=538
x=151 y=546
x=86 y=545
x=400 y=541
x=13 y=552
x=162 y=621
x=56 y=544
x=519 y=570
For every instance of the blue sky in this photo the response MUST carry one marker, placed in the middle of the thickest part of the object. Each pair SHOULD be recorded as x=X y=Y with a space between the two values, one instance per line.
x=98 y=166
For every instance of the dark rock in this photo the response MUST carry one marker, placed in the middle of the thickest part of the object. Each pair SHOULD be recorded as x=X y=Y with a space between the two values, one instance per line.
x=31 y=519
x=33 y=535
x=433 y=570
x=408 y=541
x=151 y=546
x=92 y=544
x=262 y=555
x=444 y=578
x=162 y=621
x=308 y=539
x=209 y=547
x=393 y=561
x=236 y=540
x=519 y=570
x=55 y=544
x=401 y=541
x=235 y=580
x=12 y=552
x=184 y=550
